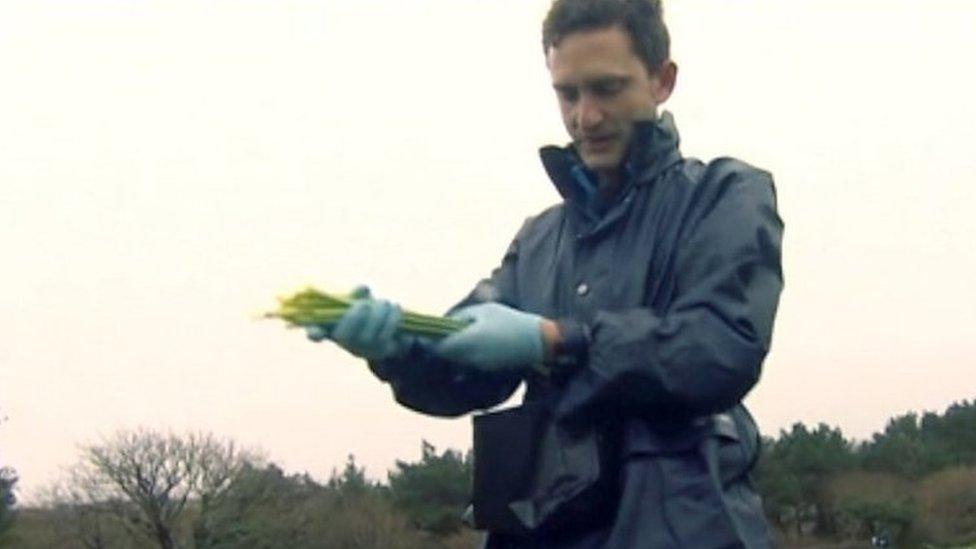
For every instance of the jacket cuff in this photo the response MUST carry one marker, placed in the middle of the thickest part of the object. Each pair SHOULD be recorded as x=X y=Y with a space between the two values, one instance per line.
x=573 y=348
x=395 y=367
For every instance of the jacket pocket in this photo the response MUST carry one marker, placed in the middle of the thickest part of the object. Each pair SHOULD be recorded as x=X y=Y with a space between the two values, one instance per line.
x=533 y=475
x=730 y=437
x=700 y=469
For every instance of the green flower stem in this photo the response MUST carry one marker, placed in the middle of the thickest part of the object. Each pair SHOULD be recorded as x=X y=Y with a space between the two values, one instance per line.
x=311 y=307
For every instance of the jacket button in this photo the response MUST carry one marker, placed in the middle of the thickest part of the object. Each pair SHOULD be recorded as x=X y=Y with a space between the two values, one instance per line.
x=582 y=289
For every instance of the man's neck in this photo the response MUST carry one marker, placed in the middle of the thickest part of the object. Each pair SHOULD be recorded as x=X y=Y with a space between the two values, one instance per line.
x=608 y=183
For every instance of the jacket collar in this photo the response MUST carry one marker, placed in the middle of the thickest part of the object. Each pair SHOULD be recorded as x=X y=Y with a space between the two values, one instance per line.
x=654 y=148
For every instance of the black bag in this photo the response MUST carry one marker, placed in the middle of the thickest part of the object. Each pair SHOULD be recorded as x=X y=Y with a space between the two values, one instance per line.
x=534 y=475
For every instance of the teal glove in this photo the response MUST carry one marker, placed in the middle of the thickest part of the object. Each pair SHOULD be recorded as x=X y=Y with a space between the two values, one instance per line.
x=367 y=330
x=499 y=338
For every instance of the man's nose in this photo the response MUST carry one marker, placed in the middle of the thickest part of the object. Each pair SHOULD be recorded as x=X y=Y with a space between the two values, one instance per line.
x=589 y=113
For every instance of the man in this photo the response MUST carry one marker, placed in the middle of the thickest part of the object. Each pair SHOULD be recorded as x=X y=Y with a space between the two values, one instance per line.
x=638 y=311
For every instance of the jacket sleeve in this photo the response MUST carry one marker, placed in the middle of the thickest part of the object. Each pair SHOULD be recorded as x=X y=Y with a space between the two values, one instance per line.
x=429 y=384
x=704 y=352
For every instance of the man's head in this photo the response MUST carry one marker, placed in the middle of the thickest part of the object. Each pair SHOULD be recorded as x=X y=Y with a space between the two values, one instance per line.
x=610 y=66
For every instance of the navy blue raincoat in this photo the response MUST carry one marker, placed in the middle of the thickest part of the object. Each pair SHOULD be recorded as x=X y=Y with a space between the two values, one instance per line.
x=666 y=295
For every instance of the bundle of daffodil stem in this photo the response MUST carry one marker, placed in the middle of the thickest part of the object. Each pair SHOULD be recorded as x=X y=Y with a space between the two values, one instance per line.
x=311 y=307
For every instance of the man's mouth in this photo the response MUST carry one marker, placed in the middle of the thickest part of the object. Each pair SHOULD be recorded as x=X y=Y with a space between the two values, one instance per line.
x=598 y=143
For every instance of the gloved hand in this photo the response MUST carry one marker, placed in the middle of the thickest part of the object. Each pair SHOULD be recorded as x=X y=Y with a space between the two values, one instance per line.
x=368 y=329
x=499 y=338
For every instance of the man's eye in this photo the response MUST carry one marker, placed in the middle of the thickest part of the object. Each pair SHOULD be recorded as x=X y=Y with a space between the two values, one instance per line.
x=569 y=95
x=608 y=88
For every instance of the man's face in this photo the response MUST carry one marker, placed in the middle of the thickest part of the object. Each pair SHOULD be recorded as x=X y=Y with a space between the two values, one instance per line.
x=603 y=88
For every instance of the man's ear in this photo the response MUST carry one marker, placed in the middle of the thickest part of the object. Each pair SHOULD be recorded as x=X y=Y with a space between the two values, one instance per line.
x=665 y=80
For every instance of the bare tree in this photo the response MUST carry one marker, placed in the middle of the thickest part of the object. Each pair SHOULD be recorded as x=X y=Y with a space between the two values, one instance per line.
x=82 y=512
x=146 y=481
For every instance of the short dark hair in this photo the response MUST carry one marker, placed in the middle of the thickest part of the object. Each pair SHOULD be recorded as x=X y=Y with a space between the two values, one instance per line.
x=642 y=19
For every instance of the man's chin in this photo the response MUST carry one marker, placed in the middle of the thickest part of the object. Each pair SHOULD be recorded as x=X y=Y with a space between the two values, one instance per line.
x=601 y=162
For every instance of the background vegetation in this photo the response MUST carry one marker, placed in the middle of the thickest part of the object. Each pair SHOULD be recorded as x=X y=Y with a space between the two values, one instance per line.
x=915 y=480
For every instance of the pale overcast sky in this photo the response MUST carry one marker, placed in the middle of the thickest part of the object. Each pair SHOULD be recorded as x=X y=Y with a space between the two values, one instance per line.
x=168 y=167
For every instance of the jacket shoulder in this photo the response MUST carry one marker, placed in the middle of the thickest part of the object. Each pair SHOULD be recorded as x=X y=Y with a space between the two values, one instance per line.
x=727 y=171
x=725 y=176
x=543 y=222
x=723 y=170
